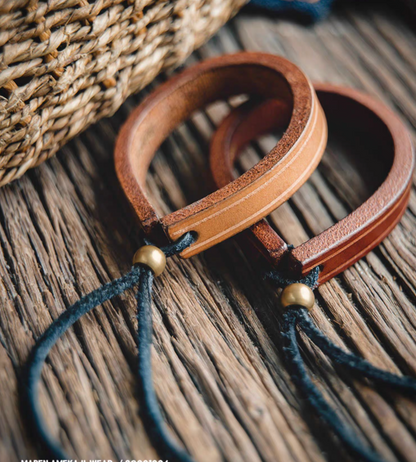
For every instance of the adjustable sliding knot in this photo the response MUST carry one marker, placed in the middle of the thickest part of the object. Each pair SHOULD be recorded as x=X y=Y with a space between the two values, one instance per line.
x=297 y=294
x=152 y=257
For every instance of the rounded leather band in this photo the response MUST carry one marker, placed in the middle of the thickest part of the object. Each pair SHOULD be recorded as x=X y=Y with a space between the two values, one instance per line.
x=341 y=245
x=246 y=200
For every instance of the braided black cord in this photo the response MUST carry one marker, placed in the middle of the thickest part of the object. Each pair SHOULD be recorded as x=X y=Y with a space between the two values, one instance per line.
x=137 y=276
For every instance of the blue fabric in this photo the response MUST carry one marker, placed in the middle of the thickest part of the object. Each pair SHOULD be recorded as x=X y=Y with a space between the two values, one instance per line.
x=315 y=9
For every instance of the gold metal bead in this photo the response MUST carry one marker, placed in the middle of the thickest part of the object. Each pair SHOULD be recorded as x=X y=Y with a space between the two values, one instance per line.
x=152 y=257
x=297 y=294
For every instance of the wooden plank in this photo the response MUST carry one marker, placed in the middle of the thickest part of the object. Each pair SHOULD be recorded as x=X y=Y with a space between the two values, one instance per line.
x=65 y=228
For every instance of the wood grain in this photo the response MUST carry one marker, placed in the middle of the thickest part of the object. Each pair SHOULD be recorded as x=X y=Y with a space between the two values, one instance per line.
x=65 y=228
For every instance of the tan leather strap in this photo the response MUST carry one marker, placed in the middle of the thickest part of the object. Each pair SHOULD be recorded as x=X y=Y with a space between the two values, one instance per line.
x=246 y=200
x=347 y=241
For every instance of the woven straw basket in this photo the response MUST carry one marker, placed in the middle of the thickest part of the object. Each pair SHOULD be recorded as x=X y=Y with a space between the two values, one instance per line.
x=65 y=64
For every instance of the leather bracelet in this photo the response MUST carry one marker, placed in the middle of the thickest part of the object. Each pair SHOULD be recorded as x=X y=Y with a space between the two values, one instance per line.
x=341 y=245
x=252 y=196
x=301 y=146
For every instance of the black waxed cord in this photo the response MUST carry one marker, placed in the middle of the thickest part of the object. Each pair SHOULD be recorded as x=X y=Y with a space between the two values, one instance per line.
x=150 y=411
x=314 y=396
x=167 y=448
x=281 y=280
x=138 y=276
x=298 y=316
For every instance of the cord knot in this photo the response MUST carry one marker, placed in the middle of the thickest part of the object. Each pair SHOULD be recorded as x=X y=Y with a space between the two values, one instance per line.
x=282 y=281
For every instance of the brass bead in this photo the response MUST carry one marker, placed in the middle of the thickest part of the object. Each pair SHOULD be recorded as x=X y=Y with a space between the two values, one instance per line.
x=152 y=257
x=297 y=294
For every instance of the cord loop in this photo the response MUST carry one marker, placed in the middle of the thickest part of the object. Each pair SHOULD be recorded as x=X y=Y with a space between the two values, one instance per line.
x=297 y=318
x=142 y=277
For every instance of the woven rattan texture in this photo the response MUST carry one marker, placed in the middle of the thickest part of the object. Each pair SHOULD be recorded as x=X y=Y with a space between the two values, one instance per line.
x=65 y=64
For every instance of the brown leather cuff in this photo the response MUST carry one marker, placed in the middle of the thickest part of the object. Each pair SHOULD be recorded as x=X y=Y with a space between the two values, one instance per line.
x=246 y=200
x=347 y=241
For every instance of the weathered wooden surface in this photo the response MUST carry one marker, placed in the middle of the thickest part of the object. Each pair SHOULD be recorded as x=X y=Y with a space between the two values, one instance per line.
x=65 y=228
